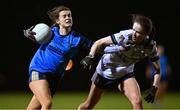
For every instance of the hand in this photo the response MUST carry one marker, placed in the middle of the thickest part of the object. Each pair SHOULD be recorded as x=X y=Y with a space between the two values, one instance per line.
x=150 y=94
x=30 y=34
x=87 y=62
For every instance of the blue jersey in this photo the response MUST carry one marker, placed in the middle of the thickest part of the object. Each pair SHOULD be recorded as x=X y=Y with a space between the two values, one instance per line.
x=54 y=56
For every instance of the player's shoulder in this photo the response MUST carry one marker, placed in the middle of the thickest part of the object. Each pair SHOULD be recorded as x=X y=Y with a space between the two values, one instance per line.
x=79 y=36
x=76 y=34
x=126 y=32
x=152 y=44
x=54 y=28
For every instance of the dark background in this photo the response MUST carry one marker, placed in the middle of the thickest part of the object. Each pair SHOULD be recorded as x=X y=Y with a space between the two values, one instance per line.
x=94 y=19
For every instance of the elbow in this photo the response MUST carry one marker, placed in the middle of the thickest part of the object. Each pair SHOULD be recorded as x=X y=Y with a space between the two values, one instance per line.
x=99 y=42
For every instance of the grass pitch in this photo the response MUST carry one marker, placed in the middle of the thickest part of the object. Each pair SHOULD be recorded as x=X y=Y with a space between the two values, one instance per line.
x=71 y=100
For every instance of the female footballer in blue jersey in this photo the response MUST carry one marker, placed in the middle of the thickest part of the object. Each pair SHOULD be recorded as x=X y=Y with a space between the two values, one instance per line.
x=48 y=65
x=116 y=66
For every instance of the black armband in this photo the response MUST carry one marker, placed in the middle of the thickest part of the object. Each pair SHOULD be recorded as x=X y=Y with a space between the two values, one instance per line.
x=154 y=59
x=113 y=39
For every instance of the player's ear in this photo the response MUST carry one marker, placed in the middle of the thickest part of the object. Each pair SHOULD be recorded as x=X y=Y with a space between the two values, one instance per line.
x=147 y=40
x=57 y=22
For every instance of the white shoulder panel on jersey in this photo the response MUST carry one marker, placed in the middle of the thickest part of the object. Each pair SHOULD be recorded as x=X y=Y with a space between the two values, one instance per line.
x=123 y=35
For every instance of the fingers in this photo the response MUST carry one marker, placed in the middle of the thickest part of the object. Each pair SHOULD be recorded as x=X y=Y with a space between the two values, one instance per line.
x=24 y=31
x=31 y=28
x=86 y=62
x=85 y=65
x=90 y=67
x=150 y=95
x=32 y=38
x=149 y=99
x=31 y=33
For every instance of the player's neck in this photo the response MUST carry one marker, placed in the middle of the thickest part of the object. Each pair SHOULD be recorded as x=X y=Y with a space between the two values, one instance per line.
x=64 y=31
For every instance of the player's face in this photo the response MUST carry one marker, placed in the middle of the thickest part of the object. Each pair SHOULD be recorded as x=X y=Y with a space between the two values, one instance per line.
x=65 y=19
x=138 y=33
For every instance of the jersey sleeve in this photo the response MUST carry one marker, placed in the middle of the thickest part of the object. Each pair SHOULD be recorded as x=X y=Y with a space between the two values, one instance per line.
x=85 y=43
x=153 y=54
x=120 y=41
x=119 y=37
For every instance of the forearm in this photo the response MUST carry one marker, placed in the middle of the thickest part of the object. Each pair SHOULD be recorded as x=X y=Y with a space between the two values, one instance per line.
x=157 y=78
x=95 y=47
x=100 y=44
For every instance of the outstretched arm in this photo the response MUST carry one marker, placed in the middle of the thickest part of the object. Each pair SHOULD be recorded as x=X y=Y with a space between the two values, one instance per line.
x=96 y=47
x=99 y=44
x=151 y=92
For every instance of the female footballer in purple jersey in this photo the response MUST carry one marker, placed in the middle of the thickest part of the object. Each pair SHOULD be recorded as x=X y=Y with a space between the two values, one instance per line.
x=48 y=65
x=115 y=67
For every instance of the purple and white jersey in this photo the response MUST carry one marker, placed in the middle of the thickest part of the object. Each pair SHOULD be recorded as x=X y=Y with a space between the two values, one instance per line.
x=116 y=63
